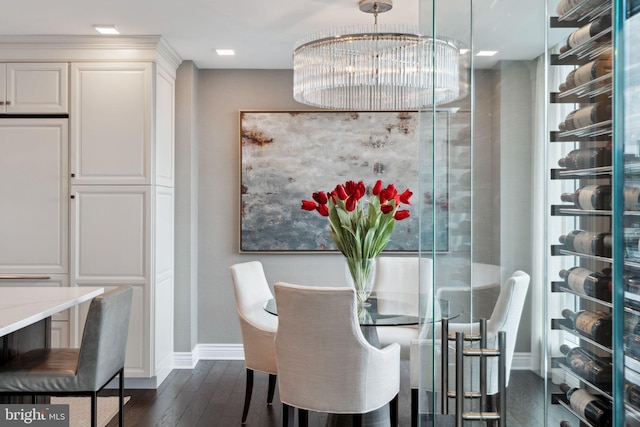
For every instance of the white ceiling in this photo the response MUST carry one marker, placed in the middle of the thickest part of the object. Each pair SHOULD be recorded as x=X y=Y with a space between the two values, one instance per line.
x=263 y=33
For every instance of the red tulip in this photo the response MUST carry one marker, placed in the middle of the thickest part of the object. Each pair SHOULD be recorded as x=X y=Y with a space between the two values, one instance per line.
x=405 y=196
x=377 y=187
x=401 y=214
x=388 y=193
x=323 y=210
x=361 y=189
x=308 y=205
x=320 y=197
x=351 y=204
x=386 y=208
x=341 y=192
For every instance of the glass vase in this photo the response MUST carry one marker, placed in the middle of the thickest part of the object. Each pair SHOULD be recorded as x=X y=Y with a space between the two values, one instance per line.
x=361 y=275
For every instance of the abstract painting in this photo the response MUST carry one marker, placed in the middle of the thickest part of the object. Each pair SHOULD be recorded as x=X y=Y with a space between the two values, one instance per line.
x=287 y=156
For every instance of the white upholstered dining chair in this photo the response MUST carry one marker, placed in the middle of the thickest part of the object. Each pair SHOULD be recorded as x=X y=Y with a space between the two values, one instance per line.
x=401 y=284
x=80 y=371
x=324 y=362
x=425 y=375
x=481 y=295
x=258 y=327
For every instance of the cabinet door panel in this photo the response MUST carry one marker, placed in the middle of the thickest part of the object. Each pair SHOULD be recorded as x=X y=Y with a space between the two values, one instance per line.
x=165 y=93
x=111 y=129
x=38 y=88
x=34 y=186
x=110 y=229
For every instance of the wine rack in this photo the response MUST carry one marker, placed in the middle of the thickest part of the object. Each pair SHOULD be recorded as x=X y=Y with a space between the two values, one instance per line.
x=579 y=178
x=599 y=213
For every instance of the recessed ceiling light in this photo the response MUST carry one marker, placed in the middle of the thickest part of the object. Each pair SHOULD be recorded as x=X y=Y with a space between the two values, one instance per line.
x=464 y=51
x=106 y=29
x=225 y=52
x=486 y=53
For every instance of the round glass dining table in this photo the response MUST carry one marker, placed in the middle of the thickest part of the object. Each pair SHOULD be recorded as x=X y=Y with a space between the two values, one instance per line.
x=370 y=315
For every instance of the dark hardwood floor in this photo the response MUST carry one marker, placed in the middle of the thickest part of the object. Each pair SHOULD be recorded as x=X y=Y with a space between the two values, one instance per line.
x=212 y=395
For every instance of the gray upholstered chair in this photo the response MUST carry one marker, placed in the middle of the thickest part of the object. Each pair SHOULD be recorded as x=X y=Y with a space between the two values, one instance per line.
x=82 y=371
x=401 y=283
x=505 y=317
x=325 y=364
x=258 y=327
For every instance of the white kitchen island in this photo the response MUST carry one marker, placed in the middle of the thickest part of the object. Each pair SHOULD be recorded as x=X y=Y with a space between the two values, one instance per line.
x=21 y=307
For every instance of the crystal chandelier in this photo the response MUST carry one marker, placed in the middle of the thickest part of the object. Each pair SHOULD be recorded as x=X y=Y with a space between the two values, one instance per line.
x=375 y=68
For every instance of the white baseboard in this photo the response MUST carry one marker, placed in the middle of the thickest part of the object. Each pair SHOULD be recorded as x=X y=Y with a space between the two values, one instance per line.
x=521 y=362
x=188 y=360
x=185 y=360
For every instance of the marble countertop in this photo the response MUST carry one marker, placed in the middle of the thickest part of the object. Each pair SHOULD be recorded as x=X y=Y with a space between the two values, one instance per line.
x=23 y=306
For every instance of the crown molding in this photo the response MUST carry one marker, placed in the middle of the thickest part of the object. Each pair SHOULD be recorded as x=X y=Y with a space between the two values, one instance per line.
x=87 y=48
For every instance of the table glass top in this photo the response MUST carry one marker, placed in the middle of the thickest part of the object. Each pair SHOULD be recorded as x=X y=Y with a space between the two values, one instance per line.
x=370 y=316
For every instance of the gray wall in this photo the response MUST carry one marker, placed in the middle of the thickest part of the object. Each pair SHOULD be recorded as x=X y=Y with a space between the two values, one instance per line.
x=209 y=213
x=221 y=94
x=186 y=213
x=516 y=172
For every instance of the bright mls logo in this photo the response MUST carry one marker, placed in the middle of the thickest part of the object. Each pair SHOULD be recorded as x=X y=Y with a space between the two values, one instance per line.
x=34 y=415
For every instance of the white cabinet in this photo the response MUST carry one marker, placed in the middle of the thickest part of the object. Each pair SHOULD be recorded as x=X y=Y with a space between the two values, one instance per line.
x=34 y=88
x=98 y=206
x=34 y=188
x=111 y=126
x=111 y=230
x=122 y=149
x=110 y=234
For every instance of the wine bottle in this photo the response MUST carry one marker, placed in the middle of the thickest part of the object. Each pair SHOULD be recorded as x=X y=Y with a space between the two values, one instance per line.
x=585 y=158
x=586 y=242
x=590 y=197
x=566 y=8
x=632 y=198
x=596 y=326
x=593 y=70
x=588 y=406
x=588 y=366
x=632 y=395
x=587 y=282
x=583 y=34
x=584 y=74
x=632 y=346
x=587 y=116
x=569 y=83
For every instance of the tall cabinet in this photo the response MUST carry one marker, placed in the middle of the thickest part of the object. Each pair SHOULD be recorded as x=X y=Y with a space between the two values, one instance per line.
x=117 y=178
x=594 y=224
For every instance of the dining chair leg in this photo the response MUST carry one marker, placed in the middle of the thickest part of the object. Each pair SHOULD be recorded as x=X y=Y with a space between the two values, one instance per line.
x=272 y=388
x=414 y=407
x=393 y=411
x=94 y=409
x=303 y=418
x=247 y=395
x=492 y=406
x=287 y=415
x=121 y=397
x=357 y=420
